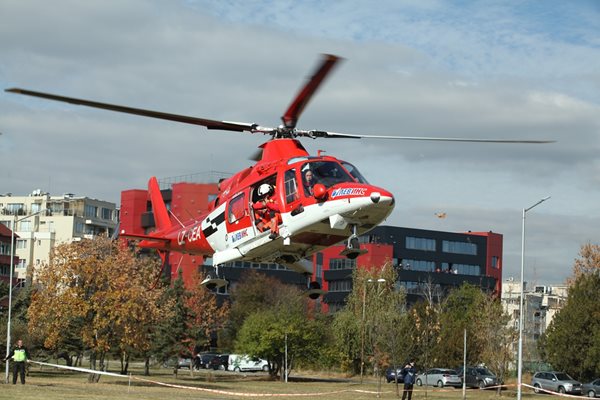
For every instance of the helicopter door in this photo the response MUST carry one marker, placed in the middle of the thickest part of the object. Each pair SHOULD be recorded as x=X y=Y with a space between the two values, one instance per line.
x=239 y=224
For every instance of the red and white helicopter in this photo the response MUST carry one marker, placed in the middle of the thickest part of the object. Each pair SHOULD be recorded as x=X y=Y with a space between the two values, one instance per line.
x=273 y=211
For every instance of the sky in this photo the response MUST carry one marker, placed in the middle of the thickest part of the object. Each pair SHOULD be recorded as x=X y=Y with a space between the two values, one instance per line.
x=485 y=69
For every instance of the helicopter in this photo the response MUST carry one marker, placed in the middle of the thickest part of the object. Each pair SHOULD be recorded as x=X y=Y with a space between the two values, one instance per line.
x=286 y=207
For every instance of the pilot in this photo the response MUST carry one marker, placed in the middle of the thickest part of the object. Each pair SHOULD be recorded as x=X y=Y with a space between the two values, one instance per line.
x=267 y=211
x=309 y=182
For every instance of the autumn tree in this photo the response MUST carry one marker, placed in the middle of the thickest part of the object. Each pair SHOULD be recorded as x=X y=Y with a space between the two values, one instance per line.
x=101 y=291
x=206 y=316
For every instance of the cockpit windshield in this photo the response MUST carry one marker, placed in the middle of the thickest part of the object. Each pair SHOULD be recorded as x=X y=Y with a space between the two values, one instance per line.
x=327 y=173
x=354 y=172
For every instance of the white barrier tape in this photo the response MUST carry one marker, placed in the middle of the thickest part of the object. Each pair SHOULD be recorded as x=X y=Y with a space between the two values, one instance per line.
x=88 y=371
x=216 y=391
x=551 y=392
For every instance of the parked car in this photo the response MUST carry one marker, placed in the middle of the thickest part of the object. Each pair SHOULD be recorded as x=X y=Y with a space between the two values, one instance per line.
x=555 y=381
x=591 y=389
x=439 y=377
x=391 y=374
x=220 y=362
x=203 y=360
x=479 y=377
x=243 y=362
x=180 y=362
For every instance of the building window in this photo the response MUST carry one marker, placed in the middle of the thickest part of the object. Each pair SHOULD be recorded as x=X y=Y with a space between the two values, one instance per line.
x=419 y=265
x=91 y=211
x=340 y=286
x=417 y=243
x=459 y=247
x=21 y=243
x=319 y=269
x=25 y=226
x=106 y=213
x=462 y=269
x=15 y=208
x=495 y=262
x=341 y=263
x=79 y=227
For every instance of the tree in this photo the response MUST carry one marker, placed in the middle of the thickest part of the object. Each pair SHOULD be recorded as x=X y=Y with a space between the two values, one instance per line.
x=588 y=261
x=371 y=325
x=284 y=323
x=254 y=292
x=572 y=341
x=100 y=290
x=206 y=316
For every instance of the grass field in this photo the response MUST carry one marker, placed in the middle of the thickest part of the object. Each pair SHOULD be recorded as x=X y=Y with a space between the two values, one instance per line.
x=47 y=383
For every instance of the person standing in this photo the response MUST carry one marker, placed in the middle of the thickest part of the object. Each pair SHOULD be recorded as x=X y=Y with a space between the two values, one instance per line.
x=409 y=373
x=19 y=355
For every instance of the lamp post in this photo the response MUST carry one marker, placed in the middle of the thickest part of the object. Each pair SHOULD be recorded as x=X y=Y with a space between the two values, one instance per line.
x=362 y=345
x=12 y=259
x=520 y=355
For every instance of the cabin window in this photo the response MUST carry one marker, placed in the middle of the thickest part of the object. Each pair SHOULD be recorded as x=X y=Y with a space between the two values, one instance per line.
x=291 y=186
x=237 y=209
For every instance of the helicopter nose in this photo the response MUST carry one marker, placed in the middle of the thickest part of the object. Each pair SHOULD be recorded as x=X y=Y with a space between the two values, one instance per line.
x=375 y=196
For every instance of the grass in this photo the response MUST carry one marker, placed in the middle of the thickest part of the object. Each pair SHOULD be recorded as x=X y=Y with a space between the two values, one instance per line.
x=51 y=384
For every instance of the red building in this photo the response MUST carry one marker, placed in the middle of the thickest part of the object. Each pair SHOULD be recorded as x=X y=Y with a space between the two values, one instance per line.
x=5 y=237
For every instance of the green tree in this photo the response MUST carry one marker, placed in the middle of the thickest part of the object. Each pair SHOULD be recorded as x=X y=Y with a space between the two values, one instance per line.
x=572 y=341
x=372 y=325
x=285 y=323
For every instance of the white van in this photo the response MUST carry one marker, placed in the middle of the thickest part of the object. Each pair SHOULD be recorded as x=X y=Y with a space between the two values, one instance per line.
x=243 y=362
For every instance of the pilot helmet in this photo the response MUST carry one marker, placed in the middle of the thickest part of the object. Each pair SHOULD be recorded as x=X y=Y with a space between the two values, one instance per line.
x=265 y=189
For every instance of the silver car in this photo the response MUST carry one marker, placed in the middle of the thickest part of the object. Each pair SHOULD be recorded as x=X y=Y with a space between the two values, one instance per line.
x=592 y=389
x=555 y=382
x=439 y=377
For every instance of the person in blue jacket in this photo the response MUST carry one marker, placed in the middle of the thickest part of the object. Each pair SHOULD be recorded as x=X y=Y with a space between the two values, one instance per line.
x=408 y=372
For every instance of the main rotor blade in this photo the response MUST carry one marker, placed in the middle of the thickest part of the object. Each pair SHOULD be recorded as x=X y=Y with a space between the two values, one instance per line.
x=290 y=118
x=438 y=139
x=208 y=123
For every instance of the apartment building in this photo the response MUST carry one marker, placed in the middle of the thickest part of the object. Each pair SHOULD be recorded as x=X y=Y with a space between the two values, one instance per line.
x=42 y=221
x=540 y=304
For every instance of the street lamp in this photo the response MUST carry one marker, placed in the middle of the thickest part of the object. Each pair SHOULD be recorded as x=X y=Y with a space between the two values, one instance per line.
x=362 y=345
x=10 y=279
x=520 y=355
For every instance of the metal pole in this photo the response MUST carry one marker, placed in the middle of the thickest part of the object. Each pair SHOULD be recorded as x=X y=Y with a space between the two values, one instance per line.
x=464 y=385
x=362 y=345
x=10 y=285
x=521 y=313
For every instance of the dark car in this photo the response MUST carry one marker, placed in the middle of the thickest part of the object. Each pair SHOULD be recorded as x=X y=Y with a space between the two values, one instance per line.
x=592 y=389
x=220 y=362
x=391 y=374
x=203 y=360
x=555 y=381
x=479 y=377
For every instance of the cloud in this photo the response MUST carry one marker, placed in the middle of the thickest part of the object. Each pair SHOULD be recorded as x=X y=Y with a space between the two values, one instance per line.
x=412 y=68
